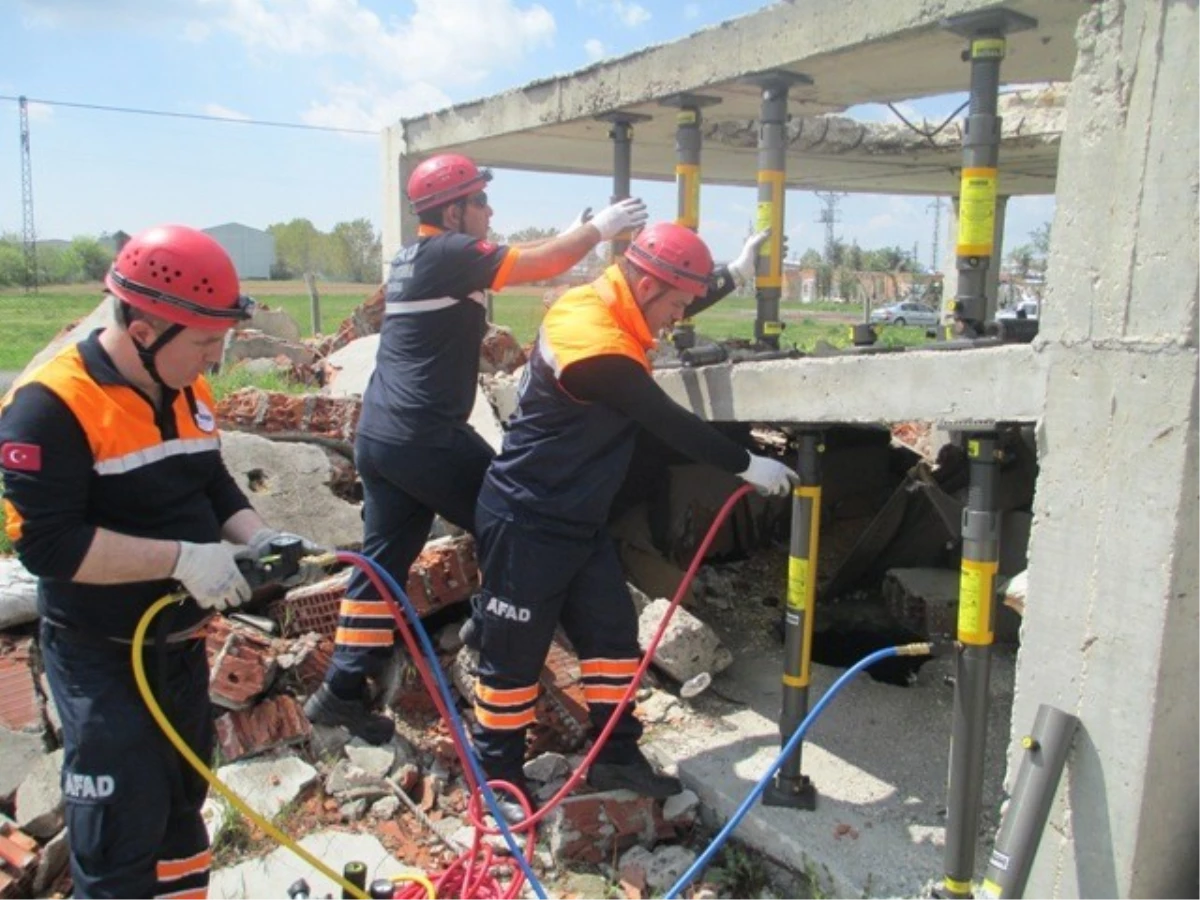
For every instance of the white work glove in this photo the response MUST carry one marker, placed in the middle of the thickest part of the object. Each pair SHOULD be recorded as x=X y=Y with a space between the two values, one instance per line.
x=620 y=217
x=260 y=542
x=585 y=216
x=769 y=475
x=743 y=267
x=210 y=574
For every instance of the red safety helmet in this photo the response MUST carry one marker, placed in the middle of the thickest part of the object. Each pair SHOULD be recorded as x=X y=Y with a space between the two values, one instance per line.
x=440 y=179
x=674 y=255
x=181 y=275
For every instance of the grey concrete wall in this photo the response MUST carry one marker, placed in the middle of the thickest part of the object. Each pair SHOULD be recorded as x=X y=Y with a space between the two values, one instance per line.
x=1110 y=632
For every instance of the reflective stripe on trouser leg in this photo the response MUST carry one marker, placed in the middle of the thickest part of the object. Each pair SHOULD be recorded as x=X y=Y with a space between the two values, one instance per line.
x=184 y=877
x=600 y=621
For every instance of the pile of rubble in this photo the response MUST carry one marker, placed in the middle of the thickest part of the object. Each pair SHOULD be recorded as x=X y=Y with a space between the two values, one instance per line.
x=293 y=455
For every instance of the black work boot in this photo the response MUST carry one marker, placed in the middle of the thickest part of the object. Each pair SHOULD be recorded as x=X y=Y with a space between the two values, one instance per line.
x=324 y=707
x=636 y=775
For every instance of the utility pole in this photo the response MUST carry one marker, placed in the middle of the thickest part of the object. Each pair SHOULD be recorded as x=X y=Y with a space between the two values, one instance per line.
x=936 y=206
x=829 y=217
x=29 y=232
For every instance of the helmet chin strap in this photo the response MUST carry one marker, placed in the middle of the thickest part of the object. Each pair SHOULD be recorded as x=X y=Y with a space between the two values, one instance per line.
x=146 y=355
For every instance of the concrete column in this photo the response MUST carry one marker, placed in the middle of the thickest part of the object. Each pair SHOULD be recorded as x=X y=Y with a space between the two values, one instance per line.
x=991 y=284
x=948 y=263
x=399 y=221
x=1110 y=631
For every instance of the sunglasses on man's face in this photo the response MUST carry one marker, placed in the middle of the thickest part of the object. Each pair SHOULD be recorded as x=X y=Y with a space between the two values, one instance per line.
x=480 y=199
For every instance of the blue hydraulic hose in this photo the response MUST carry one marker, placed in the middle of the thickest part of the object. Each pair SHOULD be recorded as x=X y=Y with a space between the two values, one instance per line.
x=788 y=748
x=455 y=720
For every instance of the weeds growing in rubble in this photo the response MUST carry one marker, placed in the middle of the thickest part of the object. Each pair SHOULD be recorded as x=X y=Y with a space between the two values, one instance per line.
x=739 y=872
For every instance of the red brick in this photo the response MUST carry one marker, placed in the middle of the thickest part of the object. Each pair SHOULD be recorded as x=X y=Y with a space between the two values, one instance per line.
x=500 y=351
x=19 y=709
x=274 y=722
x=15 y=856
x=562 y=713
x=591 y=828
x=241 y=662
x=313 y=607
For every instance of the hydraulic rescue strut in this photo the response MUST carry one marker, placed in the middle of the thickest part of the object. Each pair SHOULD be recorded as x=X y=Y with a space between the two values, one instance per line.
x=790 y=787
x=772 y=174
x=985 y=31
x=687 y=181
x=622 y=138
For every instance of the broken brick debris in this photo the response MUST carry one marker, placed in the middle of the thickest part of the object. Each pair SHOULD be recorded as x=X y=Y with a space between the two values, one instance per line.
x=590 y=828
x=275 y=412
x=274 y=722
x=18 y=859
x=242 y=664
x=19 y=709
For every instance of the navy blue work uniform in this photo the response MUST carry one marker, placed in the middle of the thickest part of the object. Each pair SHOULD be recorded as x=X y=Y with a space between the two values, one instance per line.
x=414 y=450
x=544 y=551
x=81 y=449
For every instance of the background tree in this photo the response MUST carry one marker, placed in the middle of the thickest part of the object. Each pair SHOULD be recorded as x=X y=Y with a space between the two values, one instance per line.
x=355 y=251
x=298 y=246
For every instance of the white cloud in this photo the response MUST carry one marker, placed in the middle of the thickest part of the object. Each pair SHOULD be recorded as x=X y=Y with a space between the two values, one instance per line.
x=443 y=41
x=594 y=49
x=630 y=14
x=40 y=112
x=224 y=112
x=365 y=107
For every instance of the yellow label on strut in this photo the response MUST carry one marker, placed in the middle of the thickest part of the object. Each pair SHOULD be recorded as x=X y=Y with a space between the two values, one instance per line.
x=797 y=595
x=975 y=598
x=976 y=212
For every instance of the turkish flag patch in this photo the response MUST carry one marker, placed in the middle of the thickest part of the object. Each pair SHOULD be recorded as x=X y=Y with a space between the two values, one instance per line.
x=21 y=457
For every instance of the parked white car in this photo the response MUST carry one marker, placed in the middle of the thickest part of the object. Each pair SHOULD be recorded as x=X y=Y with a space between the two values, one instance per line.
x=905 y=313
x=1026 y=309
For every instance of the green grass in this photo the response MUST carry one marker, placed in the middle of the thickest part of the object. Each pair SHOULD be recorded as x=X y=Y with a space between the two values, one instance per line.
x=235 y=378
x=31 y=321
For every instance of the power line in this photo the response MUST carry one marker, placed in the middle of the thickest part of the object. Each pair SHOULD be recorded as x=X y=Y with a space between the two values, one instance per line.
x=198 y=116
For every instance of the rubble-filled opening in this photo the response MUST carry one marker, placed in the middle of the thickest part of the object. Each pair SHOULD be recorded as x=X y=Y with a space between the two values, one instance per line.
x=889 y=548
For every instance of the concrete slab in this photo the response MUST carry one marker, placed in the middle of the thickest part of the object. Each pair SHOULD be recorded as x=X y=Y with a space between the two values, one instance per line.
x=878 y=756
x=883 y=51
x=271 y=875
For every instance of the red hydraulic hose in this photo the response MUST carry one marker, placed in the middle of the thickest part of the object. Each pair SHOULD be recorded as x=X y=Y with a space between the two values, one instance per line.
x=470 y=875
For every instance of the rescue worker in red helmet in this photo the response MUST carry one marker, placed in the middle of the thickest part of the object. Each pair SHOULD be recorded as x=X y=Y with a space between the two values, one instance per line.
x=544 y=552
x=115 y=494
x=415 y=452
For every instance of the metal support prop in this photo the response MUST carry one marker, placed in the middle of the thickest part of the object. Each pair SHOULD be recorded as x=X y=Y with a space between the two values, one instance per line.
x=622 y=138
x=790 y=788
x=974 y=247
x=972 y=660
x=772 y=172
x=1046 y=748
x=687 y=182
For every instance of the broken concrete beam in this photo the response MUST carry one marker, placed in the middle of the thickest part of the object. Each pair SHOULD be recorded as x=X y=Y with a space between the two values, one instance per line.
x=689 y=646
x=40 y=805
x=19 y=708
x=241 y=663
x=290 y=485
x=250 y=344
x=590 y=828
x=275 y=722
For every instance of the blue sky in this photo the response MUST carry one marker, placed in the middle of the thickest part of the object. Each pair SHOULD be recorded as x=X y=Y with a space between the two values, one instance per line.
x=349 y=64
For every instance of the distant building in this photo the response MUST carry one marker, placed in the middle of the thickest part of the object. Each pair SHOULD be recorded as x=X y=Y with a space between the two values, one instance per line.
x=252 y=250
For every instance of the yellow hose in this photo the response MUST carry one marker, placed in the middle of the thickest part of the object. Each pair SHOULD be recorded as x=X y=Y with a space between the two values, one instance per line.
x=139 y=675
